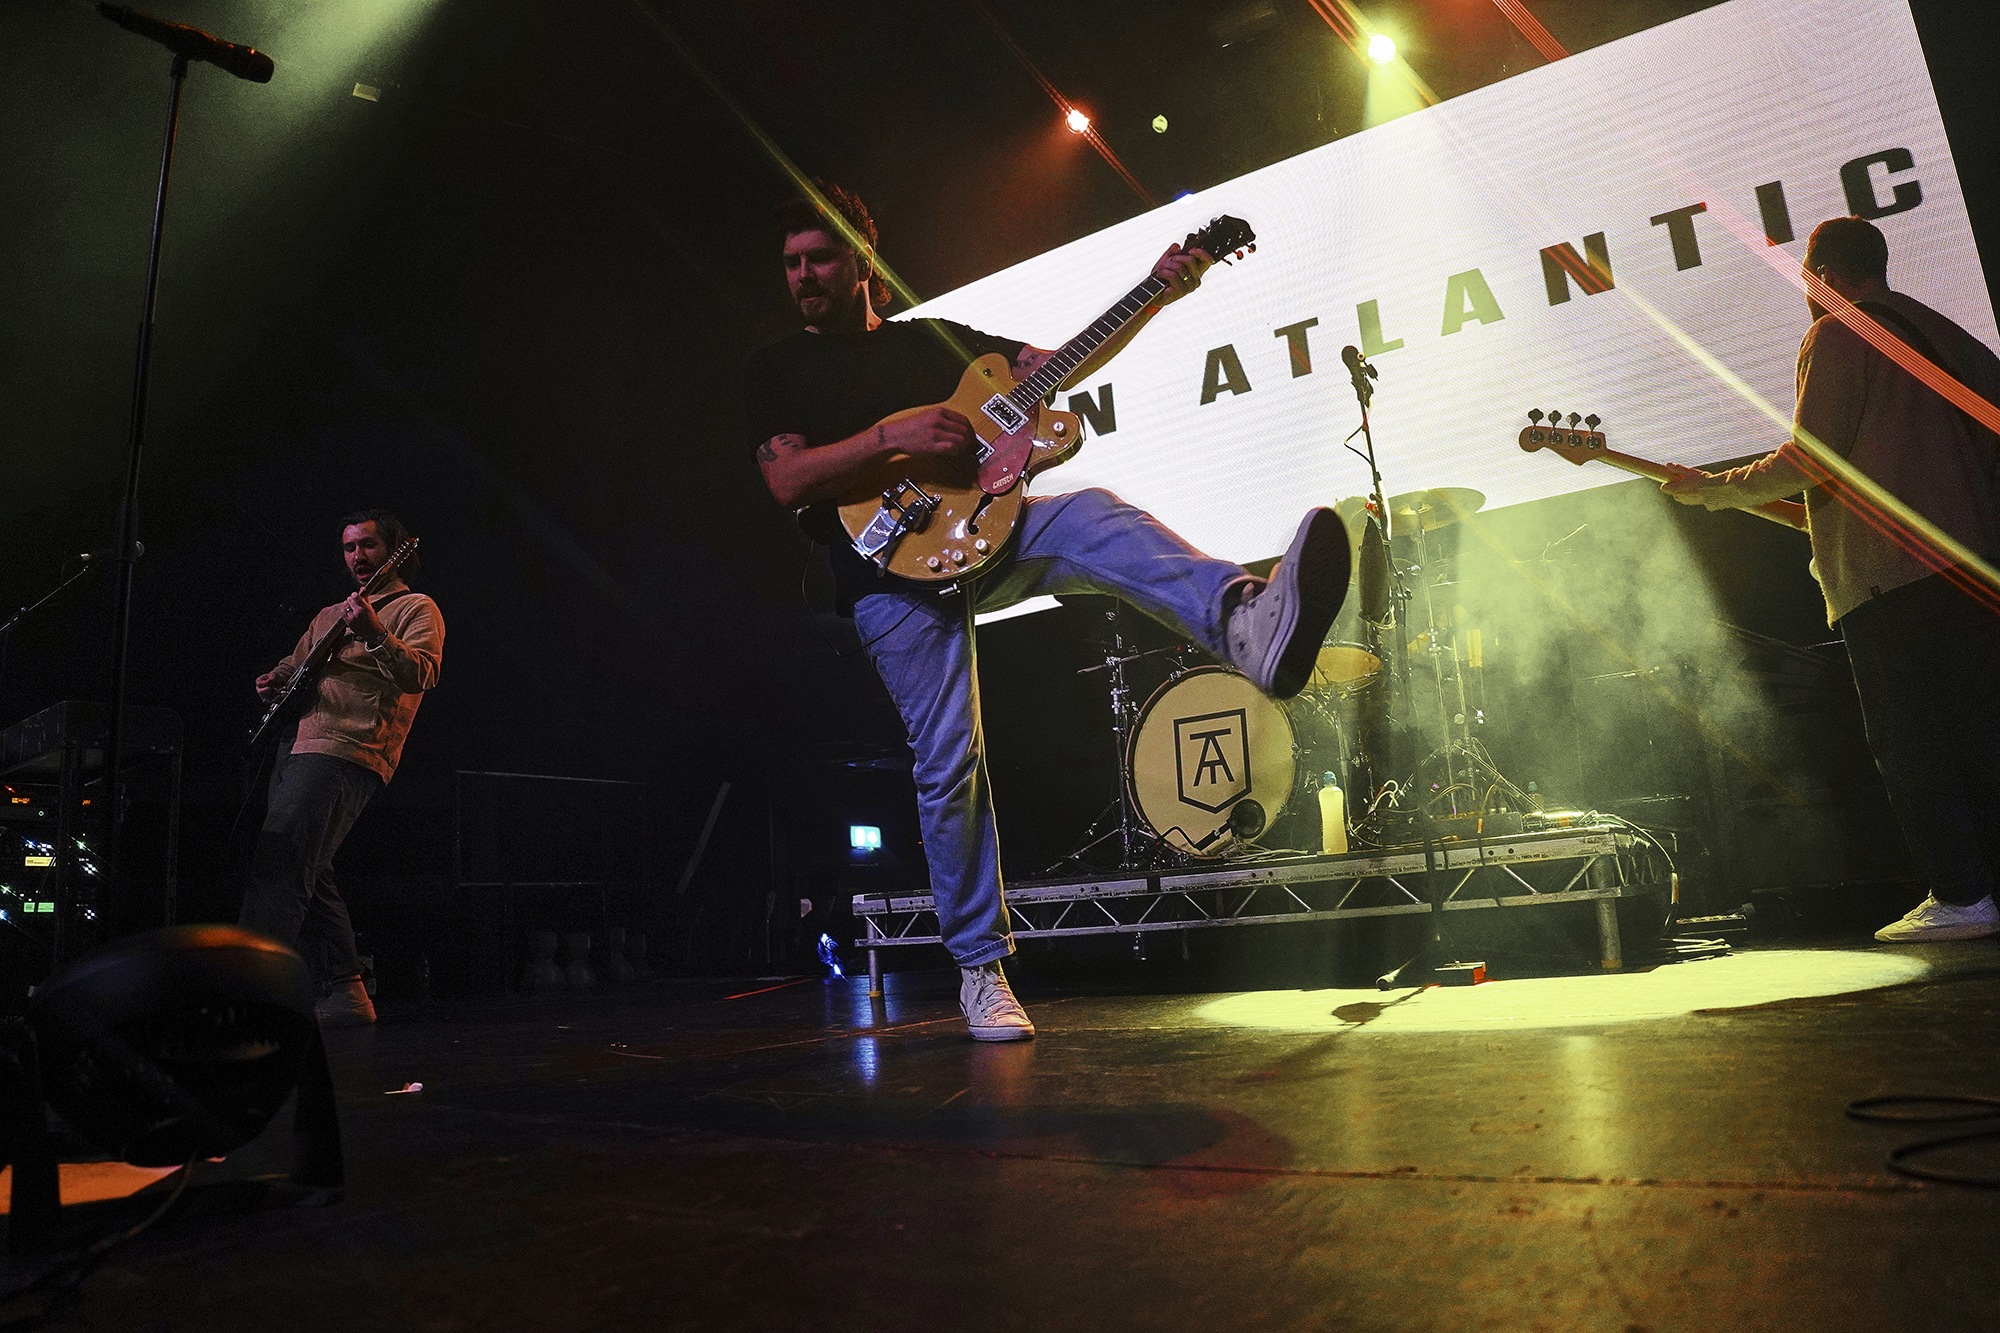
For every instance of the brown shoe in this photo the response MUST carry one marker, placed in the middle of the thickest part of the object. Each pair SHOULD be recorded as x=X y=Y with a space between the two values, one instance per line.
x=345 y=1005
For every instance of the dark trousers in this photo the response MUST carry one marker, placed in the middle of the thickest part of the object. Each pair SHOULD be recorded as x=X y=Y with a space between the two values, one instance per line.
x=1927 y=667
x=314 y=801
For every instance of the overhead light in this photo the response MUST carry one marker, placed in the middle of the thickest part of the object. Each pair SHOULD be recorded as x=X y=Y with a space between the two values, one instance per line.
x=1159 y=124
x=1078 y=122
x=1381 y=48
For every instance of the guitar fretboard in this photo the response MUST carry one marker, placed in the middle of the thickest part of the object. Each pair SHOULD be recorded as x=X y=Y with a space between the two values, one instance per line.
x=1064 y=361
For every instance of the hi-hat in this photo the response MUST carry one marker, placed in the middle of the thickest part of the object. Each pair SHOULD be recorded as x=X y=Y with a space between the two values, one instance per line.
x=1435 y=508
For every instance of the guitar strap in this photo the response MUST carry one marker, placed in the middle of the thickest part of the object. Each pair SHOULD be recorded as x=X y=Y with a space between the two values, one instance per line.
x=1918 y=343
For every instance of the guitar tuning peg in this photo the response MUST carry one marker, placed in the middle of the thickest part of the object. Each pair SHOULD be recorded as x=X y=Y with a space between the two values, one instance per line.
x=1573 y=420
x=1593 y=421
x=1535 y=415
x=1555 y=418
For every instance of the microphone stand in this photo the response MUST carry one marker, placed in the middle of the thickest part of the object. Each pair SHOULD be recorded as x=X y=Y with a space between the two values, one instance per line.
x=1362 y=375
x=124 y=553
x=1421 y=968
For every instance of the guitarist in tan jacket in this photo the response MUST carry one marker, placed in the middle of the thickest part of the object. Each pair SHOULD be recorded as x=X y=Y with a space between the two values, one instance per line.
x=348 y=744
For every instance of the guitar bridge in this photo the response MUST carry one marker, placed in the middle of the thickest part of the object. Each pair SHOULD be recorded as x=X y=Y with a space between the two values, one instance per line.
x=905 y=509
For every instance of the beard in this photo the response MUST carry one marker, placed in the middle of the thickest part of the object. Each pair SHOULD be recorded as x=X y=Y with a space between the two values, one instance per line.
x=834 y=308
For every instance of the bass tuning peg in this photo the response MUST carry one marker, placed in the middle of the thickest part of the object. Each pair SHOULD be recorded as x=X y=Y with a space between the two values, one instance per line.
x=1535 y=415
x=1593 y=421
x=1573 y=420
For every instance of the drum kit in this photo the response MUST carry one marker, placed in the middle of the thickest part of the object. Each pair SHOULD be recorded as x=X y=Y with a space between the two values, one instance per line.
x=1209 y=763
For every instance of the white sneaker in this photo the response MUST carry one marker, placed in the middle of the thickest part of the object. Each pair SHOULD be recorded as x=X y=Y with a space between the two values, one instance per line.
x=991 y=1010
x=1274 y=633
x=1933 y=920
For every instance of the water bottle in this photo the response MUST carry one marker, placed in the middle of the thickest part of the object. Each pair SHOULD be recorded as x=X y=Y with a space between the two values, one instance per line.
x=1332 y=816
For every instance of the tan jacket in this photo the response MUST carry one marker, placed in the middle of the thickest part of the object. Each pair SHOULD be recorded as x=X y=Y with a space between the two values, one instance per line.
x=365 y=701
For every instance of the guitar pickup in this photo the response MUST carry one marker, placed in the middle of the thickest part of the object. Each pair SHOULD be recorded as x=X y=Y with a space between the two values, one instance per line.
x=905 y=509
x=1002 y=413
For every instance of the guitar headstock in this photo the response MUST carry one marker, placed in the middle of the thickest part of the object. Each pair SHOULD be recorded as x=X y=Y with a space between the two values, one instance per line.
x=1551 y=431
x=1222 y=238
x=382 y=577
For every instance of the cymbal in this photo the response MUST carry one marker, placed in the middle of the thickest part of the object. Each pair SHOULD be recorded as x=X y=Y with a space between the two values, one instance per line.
x=1342 y=667
x=1437 y=507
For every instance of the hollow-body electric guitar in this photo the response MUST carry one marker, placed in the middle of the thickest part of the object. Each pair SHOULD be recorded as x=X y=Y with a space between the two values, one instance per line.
x=297 y=691
x=932 y=521
x=1587 y=445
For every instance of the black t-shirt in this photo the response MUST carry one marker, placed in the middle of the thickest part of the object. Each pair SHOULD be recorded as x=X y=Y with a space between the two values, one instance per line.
x=828 y=386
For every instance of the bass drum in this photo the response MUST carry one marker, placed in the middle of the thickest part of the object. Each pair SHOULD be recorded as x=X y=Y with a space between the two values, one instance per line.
x=1212 y=762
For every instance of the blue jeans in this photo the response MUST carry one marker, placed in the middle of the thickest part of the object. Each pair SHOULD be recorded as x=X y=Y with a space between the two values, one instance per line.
x=1923 y=658
x=922 y=647
x=314 y=801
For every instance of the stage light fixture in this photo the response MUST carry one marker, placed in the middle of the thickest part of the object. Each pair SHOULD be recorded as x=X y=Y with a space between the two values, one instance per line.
x=864 y=837
x=164 y=1049
x=1381 y=48
x=1078 y=122
x=1159 y=124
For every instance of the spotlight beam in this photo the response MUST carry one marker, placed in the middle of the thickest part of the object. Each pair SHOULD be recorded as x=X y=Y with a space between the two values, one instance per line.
x=1531 y=28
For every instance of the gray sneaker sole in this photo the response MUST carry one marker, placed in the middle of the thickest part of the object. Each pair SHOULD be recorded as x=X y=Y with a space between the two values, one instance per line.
x=1001 y=1034
x=1938 y=934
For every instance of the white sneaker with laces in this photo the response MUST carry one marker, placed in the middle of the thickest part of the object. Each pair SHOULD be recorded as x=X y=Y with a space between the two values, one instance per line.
x=1933 y=920
x=991 y=1011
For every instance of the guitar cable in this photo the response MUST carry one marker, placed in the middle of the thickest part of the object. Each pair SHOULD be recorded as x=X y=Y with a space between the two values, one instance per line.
x=807 y=600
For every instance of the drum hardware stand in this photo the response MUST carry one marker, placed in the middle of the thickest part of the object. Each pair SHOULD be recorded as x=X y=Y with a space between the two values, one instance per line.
x=1131 y=832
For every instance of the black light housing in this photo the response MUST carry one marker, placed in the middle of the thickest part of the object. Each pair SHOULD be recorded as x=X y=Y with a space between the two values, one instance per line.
x=162 y=1048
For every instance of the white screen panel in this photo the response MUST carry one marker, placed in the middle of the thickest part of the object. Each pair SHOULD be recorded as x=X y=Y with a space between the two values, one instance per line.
x=1428 y=215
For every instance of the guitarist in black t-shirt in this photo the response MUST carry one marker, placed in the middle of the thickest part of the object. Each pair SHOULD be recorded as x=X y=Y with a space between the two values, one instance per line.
x=834 y=408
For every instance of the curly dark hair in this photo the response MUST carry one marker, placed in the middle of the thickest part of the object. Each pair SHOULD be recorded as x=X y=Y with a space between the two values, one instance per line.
x=393 y=533
x=799 y=213
x=1852 y=247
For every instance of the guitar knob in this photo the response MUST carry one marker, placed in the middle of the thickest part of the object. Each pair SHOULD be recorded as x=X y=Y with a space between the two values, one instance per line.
x=980 y=546
x=957 y=556
x=934 y=564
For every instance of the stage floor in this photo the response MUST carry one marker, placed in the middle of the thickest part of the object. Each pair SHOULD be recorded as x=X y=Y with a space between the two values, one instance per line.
x=1600 y=1152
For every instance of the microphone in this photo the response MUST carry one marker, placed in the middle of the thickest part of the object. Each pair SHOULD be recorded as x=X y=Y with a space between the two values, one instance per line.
x=244 y=62
x=110 y=553
x=1359 y=372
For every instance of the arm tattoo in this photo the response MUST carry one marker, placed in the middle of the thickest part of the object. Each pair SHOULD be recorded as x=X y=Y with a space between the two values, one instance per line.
x=767 y=452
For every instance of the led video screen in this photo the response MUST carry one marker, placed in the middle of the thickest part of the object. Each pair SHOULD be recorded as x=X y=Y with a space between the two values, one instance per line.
x=1616 y=233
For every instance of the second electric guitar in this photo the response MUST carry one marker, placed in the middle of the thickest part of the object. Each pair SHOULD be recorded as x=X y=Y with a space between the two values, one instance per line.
x=933 y=522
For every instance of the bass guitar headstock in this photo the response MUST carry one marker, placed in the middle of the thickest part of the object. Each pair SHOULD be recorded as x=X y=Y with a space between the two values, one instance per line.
x=1550 y=431
x=1222 y=238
